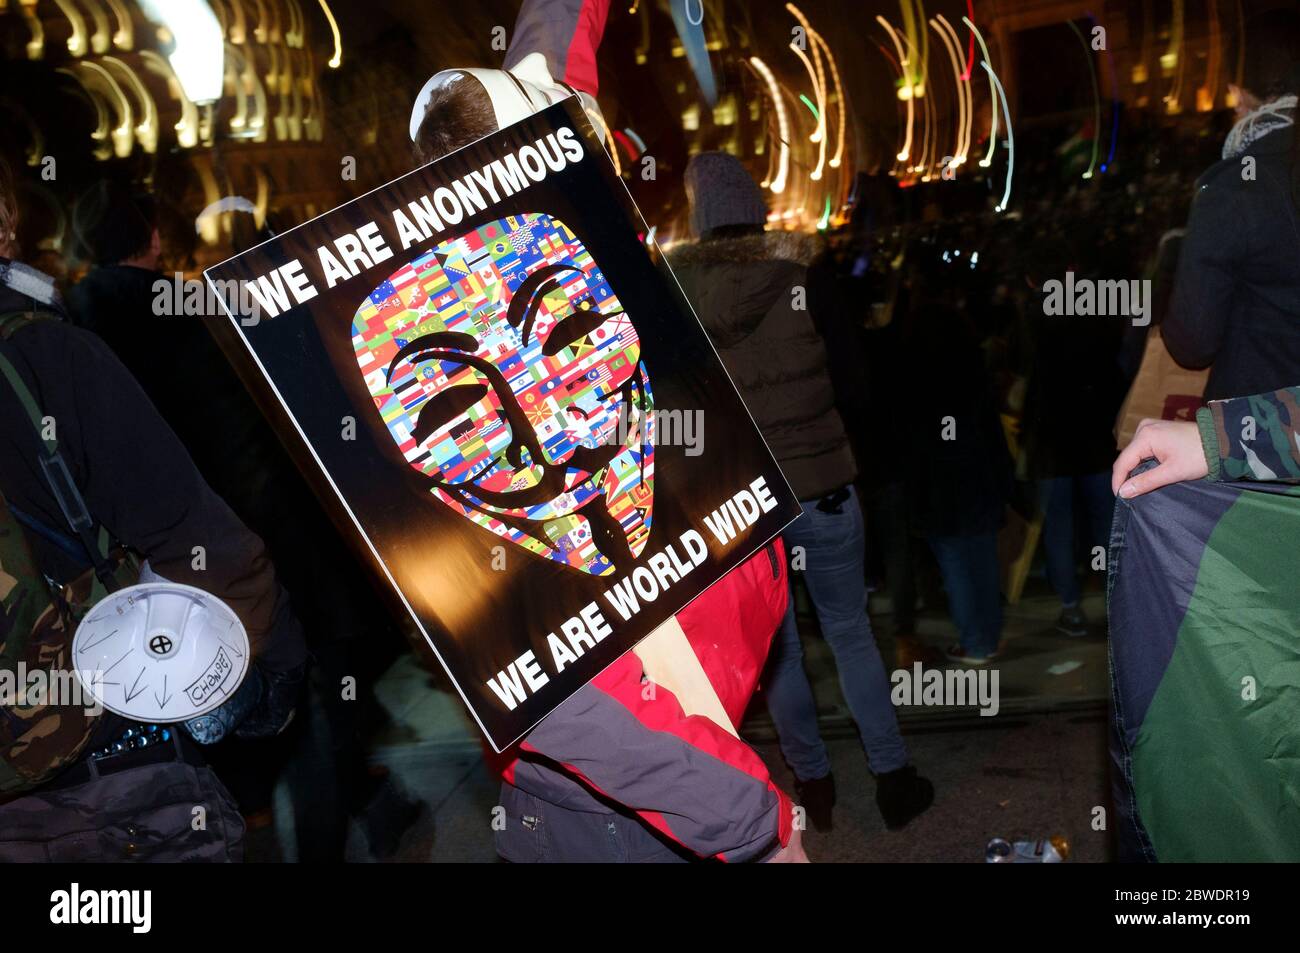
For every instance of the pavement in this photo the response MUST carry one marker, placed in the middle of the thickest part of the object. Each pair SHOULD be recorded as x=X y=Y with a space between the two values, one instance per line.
x=1035 y=769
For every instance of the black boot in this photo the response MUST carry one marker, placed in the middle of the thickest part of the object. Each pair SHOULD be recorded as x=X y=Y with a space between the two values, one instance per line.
x=817 y=797
x=902 y=795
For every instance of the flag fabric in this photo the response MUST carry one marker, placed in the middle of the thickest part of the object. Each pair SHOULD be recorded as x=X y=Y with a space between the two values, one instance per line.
x=1204 y=603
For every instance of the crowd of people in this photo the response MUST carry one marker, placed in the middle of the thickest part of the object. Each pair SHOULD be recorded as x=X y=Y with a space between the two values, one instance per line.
x=921 y=392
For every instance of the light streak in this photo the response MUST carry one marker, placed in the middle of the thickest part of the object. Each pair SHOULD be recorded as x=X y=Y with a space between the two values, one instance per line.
x=1011 y=138
x=783 y=125
x=1096 y=100
x=337 y=59
x=993 y=98
x=817 y=72
x=905 y=152
x=950 y=41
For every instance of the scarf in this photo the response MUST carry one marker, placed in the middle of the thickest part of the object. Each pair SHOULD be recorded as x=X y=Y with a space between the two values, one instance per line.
x=1253 y=126
x=30 y=283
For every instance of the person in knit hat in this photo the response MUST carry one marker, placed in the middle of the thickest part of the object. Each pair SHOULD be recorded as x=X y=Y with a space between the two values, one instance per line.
x=748 y=287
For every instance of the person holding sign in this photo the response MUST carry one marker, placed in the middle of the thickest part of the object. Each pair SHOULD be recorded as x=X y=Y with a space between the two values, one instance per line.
x=626 y=768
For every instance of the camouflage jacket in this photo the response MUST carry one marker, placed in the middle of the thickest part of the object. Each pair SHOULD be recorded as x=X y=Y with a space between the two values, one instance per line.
x=1253 y=438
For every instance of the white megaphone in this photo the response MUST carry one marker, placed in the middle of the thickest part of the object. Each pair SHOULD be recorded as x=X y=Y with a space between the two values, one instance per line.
x=160 y=651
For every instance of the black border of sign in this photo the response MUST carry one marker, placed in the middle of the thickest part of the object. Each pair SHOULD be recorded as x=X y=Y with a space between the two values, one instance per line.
x=573 y=110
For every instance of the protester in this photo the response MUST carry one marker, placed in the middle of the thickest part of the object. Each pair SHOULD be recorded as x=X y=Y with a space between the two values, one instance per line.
x=746 y=286
x=616 y=772
x=1237 y=291
x=142 y=489
x=1072 y=372
x=956 y=457
x=852 y=298
x=127 y=300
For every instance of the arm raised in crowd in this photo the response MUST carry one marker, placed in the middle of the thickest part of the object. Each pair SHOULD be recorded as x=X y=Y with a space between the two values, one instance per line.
x=567 y=33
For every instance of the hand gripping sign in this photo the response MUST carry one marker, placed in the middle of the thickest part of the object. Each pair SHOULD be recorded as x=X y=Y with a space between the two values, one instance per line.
x=487 y=368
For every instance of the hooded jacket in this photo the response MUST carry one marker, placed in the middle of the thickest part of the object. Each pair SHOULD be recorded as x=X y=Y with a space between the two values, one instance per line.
x=750 y=293
x=1236 y=301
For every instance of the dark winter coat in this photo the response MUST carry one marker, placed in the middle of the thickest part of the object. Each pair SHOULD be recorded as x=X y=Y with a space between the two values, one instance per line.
x=956 y=462
x=1236 y=300
x=750 y=294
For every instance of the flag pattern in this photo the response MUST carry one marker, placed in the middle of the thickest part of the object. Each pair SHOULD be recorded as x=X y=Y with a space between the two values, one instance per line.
x=571 y=398
x=1205 y=647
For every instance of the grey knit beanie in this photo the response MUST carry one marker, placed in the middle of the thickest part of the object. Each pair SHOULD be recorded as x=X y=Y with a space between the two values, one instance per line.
x=722 y=192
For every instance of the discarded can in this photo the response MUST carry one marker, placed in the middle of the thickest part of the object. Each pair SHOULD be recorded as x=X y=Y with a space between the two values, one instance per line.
x=1053 y=850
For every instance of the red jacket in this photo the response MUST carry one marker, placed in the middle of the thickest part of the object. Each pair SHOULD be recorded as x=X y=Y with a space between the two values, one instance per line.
x=612 y=740
x=684 y=776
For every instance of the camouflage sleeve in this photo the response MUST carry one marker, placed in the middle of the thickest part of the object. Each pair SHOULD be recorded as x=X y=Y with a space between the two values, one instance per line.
x=1253 y=438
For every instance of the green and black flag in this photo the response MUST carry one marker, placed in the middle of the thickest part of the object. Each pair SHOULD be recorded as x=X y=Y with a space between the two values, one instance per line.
x=1204 y=602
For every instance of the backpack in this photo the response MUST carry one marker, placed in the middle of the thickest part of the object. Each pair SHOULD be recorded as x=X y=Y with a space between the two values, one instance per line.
x=38 y=617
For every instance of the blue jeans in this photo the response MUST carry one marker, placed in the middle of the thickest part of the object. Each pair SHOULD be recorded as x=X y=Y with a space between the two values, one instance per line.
x=971 y=576
x=1056 y=497
x=832 y=545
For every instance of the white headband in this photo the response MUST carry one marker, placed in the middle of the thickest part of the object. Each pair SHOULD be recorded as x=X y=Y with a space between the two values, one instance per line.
x=515 y=94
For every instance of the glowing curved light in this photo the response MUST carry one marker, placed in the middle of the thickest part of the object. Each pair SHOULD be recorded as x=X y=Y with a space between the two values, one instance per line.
x=337 y=59
x=1171 y=60
x=916 y=76
x=77 y=42
x=123 y=134
x=124 y=35
x=818 y=77
x=187 y=127
x=993 y=98
x=1096 y=100
x=100 y=38
x=1011 y=138
x=954 y=55
x=146 y=129
x=1208 y=94
x=905 y=152
x=783 y=125
x=100 y=134
x=970 y=49
x=967 y=126
x=35 y=30
x=838 y=158
x=631 y=134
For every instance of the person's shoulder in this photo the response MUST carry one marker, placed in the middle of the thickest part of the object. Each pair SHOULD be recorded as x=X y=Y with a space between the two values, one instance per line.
x=50 y=343
x=1237 y=172
x=46 y=328
x=1224 y=174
